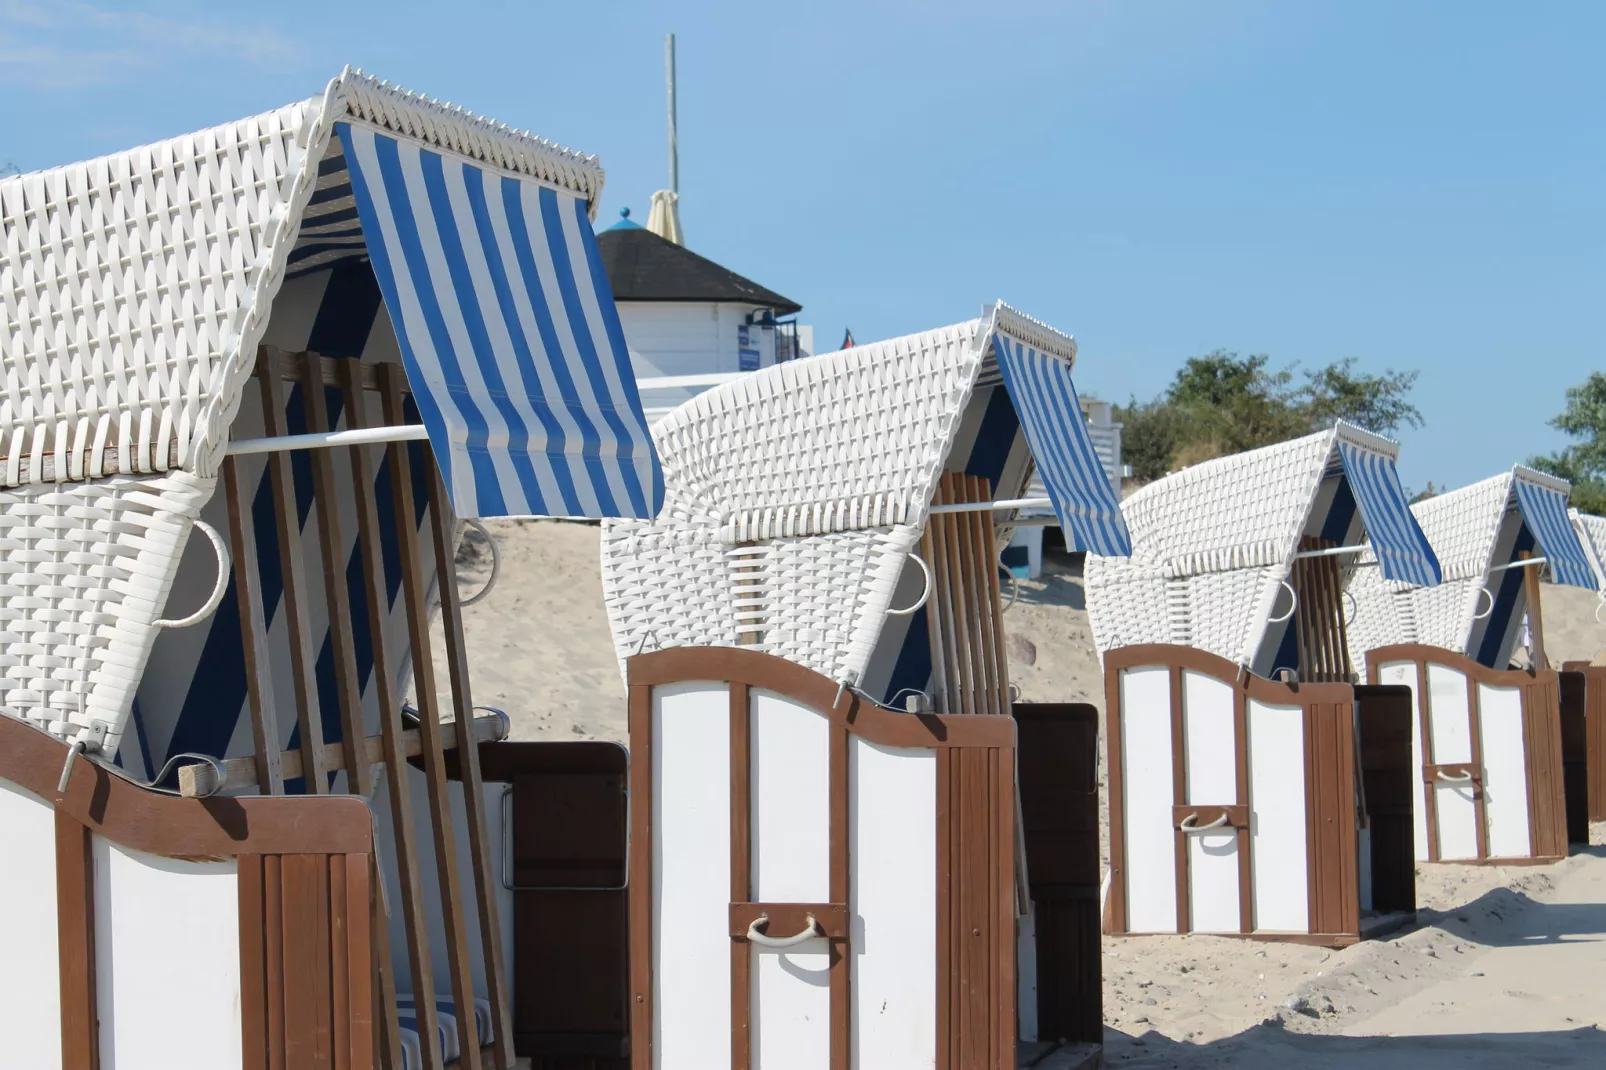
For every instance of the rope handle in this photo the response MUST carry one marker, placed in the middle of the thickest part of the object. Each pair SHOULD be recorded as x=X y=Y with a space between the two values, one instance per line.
x=811 y=928
x=925 y=594
x=496 y=562
x=222 y=585
x=1464 y=778
x=1190 y=823
x=1485 y=614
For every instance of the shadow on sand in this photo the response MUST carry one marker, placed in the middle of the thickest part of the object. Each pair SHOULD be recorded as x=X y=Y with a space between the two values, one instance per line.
x=1272 y=1047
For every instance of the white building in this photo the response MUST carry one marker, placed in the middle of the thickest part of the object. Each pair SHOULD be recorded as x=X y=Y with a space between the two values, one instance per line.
x=684 y=315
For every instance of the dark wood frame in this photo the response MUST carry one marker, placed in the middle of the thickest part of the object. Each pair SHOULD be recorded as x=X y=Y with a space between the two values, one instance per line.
x=1594 y=680
x=306 y=884
x=1541 y=724
x=975 y=849
x=1332 y=879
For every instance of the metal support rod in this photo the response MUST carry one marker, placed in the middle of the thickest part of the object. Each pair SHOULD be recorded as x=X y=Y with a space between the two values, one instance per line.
x=1524 y=563
x=360 y=436
x=674 y=147
x=994 y=507
x=1332 y=551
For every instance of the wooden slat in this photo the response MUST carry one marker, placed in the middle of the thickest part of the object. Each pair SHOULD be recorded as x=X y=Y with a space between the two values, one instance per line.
x=273 y=940
x=308 y=1031
x=1246 y=871
x=1179 y=793
x=741 y=810
x=293 y=569
x=1114 y=917
x=75 y=941
x=481 y=856
x=1480 y=796
x=360 y=939
x=300 y=367
x=254 y=629
x=340 y=979
x=641 y=870
x=406 y=848
x=958 y=608
x=202 y=779
x=1424 y=723
x=1536 y=618
x=415 y=597
x=936 y=641
x=839 y=979
x=332 y=551
x=253 y=966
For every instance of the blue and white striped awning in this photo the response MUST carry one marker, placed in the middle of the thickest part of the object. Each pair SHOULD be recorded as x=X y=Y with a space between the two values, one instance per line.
x=1544 y=510
x=509 y=333
x=1402 y=549
x=1040 y=385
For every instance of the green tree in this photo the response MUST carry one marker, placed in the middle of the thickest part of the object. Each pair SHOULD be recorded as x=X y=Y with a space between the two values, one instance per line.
x=1221 y=403
x=1583 y=462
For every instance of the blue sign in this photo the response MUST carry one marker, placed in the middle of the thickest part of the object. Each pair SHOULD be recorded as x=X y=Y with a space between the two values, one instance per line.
x=746 y=349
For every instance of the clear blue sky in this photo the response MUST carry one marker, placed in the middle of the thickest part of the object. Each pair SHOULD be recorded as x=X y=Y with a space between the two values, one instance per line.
x=1415 y=184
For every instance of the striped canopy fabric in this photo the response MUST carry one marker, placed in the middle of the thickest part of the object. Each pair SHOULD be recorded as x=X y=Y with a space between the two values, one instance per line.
x=1544 y=510
x=1040 y=385
x=1403 y=552
x=509 y=333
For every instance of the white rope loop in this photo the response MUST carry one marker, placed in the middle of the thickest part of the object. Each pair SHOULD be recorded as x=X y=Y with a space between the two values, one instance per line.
x=811 y=931
x=496 y=561
x=218 y=589
x=1464 y=778
x=1190 y=824
x=925 y=594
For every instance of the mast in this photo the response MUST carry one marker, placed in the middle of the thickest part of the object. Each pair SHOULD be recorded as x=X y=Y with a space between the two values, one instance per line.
x=674 y=150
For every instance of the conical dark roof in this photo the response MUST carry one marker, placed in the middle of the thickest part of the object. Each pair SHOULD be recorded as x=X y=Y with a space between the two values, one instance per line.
x=642 y=266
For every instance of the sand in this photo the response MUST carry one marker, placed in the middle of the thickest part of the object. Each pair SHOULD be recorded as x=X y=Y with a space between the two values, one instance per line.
x=1501 y=970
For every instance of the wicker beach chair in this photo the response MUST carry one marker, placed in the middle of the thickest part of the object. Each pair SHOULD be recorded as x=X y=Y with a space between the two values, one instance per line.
x=410 y=298
x=1249 y=780
x=1488 y=739
x=820 y=712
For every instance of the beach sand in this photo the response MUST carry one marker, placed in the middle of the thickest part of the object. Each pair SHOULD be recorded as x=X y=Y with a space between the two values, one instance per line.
x=1501 y=970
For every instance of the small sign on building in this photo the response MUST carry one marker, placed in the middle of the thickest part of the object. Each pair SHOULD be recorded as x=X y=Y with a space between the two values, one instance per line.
x=746 y=349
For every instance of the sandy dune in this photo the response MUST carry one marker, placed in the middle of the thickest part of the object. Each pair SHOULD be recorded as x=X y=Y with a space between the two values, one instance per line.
x=1502 y=969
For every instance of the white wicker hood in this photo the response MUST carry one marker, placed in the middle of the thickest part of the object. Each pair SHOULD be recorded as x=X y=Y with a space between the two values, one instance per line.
x=1212 y=544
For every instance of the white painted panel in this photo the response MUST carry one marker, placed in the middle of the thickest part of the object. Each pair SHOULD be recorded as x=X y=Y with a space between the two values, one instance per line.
x=30 y=978
x=691 y=876
x=1151 y=861
x=791 y=857
x=167 y=961
x=1450 y=723
x=1449 y=717
x=1277 y=817
x=1210 y=739
x=1505 y=771
x=892 y=839
x=1403 y=674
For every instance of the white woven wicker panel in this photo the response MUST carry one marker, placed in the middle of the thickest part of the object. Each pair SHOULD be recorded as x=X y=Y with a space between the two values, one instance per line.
x=124 y=282
x=1462 y=525
x=1241 y=511
x=1592 y=533
x=818 y=601
x=846 y=440
x=134 y=288
x=85 y=571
